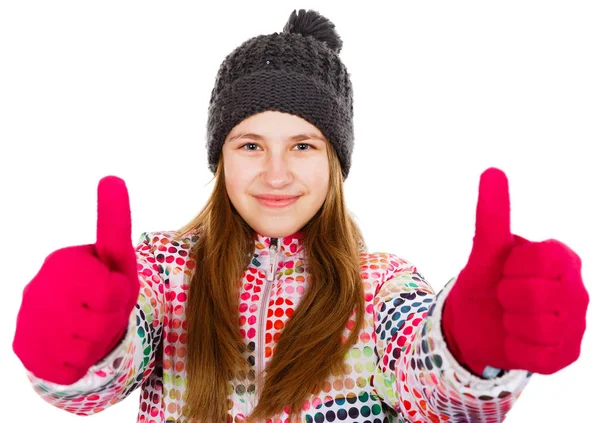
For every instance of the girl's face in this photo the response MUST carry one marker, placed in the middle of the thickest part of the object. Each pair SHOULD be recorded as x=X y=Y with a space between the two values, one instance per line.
x=274 y=153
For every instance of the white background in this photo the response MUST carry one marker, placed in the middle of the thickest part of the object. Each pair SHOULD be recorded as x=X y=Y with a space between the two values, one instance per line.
x=443 y=90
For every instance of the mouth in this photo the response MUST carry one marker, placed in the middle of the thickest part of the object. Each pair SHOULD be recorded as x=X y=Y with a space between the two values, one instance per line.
x=273 y=202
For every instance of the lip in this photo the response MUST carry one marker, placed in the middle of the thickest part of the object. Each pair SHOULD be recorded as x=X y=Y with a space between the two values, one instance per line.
x=276 y=201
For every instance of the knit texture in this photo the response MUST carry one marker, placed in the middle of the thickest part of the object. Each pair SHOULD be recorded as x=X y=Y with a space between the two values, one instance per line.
x=292 y=72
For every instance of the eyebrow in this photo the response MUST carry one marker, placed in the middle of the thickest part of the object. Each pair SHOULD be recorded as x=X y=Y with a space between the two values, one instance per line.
x=299 y=137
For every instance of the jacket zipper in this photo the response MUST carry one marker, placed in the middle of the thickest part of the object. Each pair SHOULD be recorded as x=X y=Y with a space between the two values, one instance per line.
x=273 y=250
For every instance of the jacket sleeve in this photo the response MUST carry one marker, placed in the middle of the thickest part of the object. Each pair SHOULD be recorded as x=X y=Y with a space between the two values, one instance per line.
x=129 y=364
x=417 y=376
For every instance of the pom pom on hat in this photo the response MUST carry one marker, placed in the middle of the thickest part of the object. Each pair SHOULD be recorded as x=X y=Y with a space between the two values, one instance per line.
x=311 y=23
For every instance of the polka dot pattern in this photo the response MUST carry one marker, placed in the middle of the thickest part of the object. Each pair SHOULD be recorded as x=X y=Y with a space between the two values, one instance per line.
x=399 y=370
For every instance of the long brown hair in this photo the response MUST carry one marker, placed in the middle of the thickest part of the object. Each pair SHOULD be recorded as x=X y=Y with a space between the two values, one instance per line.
x=310 y=348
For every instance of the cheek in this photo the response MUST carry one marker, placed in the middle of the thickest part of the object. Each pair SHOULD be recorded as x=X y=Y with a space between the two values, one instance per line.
x=234 y=184
x=316 y=179
x=235 y=189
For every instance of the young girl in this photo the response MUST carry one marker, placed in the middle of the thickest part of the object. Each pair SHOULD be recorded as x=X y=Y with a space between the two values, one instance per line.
x=268 y=306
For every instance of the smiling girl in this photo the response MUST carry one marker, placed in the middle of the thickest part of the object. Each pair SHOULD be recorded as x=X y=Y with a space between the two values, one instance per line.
x=268 y=306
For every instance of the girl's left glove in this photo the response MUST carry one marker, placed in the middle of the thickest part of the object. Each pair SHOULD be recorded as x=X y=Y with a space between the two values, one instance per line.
x=517 y=304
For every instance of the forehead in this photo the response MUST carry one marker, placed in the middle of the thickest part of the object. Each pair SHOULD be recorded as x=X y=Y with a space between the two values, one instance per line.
x=272 y=124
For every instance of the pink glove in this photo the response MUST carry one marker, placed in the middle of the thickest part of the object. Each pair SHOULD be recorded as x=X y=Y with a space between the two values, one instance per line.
x=77 y=307
x=517 y=304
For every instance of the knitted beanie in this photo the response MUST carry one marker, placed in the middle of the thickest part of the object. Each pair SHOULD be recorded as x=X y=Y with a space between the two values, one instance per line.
x=297 y=71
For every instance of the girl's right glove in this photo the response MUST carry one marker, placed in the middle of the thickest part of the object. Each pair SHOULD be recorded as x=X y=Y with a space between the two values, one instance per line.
x=77 y=307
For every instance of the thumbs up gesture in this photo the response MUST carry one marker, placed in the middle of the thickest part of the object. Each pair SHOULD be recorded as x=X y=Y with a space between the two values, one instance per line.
x=516 y=304
x=77 y=307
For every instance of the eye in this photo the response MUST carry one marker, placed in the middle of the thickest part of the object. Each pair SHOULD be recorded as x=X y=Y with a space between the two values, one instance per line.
x=250 y=143
x=308 y=145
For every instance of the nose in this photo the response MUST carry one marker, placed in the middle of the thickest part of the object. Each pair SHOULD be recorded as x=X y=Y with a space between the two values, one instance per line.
x=277 y=172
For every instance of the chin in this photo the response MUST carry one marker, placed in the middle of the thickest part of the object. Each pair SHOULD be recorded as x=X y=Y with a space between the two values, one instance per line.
x=275 y=231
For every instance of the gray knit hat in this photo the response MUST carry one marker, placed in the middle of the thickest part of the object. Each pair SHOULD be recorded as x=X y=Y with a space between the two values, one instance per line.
x=296 y=71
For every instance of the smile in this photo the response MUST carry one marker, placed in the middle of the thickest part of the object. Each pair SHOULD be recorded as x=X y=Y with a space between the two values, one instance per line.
x=277 y=203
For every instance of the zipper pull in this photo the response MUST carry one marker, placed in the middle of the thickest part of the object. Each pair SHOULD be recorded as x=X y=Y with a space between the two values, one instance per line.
x=273 y=259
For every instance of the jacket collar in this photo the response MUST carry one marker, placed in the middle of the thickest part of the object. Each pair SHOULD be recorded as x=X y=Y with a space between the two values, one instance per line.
x=289 y=245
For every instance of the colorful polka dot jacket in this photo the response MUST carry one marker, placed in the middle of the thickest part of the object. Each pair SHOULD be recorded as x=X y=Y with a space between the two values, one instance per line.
x=399 y=370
